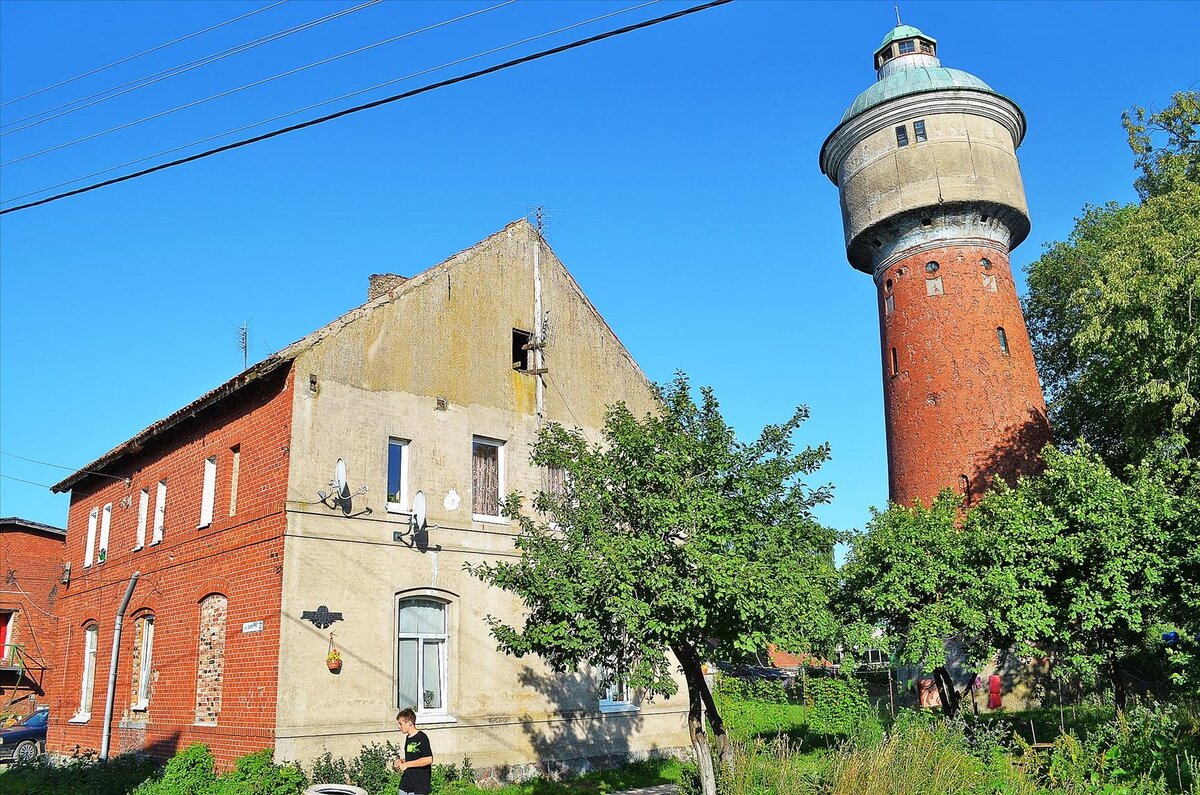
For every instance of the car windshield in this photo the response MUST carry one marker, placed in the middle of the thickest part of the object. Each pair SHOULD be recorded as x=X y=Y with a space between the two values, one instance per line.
x=36 y=720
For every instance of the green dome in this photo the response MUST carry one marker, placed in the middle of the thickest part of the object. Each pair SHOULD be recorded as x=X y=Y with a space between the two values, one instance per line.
x=902 y=32
x=914 y=80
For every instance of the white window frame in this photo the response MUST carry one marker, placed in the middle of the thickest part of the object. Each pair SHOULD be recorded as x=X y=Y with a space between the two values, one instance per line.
x=208 y=493
x=143 y=692
x=424 y=715
x=617 y=697
x=91 y=640
x=402 y=505
x=160 y=512
x=105 y=526
x=89 y=551
x=499 y=444
x=143 y=511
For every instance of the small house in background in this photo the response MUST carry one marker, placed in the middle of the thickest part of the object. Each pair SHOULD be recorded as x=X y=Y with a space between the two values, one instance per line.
x=31 y=562
x=326 y=500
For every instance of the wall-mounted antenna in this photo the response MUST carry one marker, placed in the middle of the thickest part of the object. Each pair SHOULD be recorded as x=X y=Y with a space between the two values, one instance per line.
x=244 y=342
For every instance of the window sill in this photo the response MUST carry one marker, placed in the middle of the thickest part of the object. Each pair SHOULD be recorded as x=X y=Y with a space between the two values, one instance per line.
x=618 y=708
x=203 y=525
x=138 y=548
x=141 y=706
x=154 y=543
x=434 y=720
x=396 y=507
x=481 y=517
x=82 y=717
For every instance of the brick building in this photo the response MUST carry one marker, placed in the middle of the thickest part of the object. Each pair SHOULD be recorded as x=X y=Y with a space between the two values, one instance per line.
x=32 y=556
x=932 y=205
x=254 y=565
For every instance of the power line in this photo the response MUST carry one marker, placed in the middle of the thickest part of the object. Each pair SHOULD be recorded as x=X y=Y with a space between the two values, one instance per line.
x=323 y=102
x=194 y=103
x=166 y=74
x=370 y=105
x=128 y=58
x=22 y=480
x=60 y=466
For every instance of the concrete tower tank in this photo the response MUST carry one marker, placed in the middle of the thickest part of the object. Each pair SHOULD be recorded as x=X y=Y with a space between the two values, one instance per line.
x=932 y=204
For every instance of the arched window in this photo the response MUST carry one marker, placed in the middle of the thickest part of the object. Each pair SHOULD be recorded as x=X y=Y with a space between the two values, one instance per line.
x=1003 y=338
x=210 y=658
x=91 y=637
x=143 y=653
x=421 y=654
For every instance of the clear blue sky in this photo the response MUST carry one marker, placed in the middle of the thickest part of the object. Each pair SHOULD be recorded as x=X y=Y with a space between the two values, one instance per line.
x=679 y=165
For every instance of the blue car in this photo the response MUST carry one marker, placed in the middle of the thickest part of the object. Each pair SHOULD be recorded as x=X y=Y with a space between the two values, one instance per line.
x=26 y=740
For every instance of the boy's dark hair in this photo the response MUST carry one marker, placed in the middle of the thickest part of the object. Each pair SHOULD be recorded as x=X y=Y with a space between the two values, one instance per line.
x=407 y=714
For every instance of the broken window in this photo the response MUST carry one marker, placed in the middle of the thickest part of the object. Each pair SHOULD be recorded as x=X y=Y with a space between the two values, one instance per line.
x=919 y=131
x=901 y=136
x=520 y=349
x=487 y=477
x=926 y=47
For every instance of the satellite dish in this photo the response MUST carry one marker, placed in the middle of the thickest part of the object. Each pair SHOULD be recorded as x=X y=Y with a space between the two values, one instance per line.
x=341 y=488
x=418 y=512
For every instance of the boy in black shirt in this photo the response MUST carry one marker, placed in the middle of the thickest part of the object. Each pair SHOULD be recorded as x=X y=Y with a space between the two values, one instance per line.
x=417 y=764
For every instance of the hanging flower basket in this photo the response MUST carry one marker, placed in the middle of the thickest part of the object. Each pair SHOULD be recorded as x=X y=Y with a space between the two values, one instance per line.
x=334 y=660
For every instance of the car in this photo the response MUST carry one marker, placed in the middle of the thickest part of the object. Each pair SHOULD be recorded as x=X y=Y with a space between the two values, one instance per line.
x=26 y=740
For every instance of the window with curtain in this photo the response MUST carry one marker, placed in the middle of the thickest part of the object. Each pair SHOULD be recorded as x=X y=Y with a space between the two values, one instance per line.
x=421 y=649
x=487 y=477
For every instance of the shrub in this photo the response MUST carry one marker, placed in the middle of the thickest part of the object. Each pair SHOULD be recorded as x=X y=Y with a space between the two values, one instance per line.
x=257 y=774
x=839 y=707
x=763 y=691
x=118 y=775
x=187 y=773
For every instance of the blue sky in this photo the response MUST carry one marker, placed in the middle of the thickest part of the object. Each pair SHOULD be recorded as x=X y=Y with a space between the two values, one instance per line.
x=678 y=165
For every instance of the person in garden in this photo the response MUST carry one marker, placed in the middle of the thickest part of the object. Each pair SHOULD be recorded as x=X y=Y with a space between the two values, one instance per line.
x=417 y=764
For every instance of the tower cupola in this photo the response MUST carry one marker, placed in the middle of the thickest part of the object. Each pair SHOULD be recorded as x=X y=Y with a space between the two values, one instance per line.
x=906 y=45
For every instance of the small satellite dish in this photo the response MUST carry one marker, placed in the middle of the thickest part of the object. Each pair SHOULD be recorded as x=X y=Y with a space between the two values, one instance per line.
x=341 y=488
x=418 y=512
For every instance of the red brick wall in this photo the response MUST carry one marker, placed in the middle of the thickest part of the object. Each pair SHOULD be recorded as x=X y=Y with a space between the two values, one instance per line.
x=957 y=404
x=238 y=556
x=30 y=561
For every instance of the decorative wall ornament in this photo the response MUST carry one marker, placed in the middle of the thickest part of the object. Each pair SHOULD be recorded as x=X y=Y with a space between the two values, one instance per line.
x=321 y=618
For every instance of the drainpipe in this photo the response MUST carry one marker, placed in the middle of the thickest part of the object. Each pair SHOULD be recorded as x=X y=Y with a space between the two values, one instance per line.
x=112 y=666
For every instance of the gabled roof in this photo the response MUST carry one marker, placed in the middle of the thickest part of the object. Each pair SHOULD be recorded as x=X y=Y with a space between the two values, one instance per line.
x=26 y=524
x=285 y=356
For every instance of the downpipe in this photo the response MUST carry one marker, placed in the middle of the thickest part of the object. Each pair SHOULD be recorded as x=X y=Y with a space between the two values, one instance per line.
x=112 y=665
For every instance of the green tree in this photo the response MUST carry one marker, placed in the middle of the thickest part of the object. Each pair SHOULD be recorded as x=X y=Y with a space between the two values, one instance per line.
x=670 y=538
x=1114 y=312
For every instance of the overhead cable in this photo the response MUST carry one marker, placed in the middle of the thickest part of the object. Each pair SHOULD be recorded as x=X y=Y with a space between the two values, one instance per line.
x=194 y=103
x=261 y=122
x=129 y=58
x=166 y=74
x=61 y=466
x=376 y=103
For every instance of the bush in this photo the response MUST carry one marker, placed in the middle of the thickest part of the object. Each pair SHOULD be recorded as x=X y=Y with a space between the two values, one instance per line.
x=839 y=707
x=121 y=774
x=763 y=691
x=257 y=774
x=188 y=773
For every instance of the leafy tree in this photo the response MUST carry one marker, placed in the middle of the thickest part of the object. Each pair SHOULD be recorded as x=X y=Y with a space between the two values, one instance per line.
x=670 y=538
x=1114 y=312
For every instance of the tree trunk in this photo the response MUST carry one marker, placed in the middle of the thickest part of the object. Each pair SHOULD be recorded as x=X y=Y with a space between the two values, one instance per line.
x=1114 y=675
x=695 y=682
x=945 y=686
x=693 y=661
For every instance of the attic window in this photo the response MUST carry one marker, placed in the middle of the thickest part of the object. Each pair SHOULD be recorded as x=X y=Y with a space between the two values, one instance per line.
x=907 y=47
x=520 y=349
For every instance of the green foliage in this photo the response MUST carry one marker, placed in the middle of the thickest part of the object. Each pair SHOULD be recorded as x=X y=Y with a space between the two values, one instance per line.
x=671 y=533
x=257 y=774
x=754 y=689
x=1112 y=312
x=188 y=773
x=452 y=779
x=121 y=774
x=371 y=769
x=838 y=707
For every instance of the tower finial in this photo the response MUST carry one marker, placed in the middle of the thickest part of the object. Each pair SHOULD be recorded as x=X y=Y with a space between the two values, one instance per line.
x=898 y=22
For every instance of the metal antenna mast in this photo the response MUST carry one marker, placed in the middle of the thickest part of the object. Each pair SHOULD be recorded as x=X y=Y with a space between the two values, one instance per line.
x=244 y=342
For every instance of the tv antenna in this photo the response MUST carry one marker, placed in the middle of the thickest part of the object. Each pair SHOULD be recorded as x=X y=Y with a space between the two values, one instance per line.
x=244 y=342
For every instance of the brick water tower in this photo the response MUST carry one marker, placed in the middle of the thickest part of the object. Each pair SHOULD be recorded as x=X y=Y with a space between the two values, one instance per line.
x=932 y=204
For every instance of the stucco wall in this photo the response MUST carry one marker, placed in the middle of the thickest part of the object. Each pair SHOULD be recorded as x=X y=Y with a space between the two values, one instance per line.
x=446 y=333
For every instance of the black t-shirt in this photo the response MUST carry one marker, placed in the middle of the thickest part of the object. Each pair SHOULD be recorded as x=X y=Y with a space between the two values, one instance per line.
x=417 y=779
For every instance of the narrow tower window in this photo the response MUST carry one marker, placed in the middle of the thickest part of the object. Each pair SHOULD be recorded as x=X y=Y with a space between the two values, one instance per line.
x=1003 y=338
x=965 y=484
x=889 y=304
x=901 y=136
x=895 y=363
x=887 y=286
x=919 y=131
